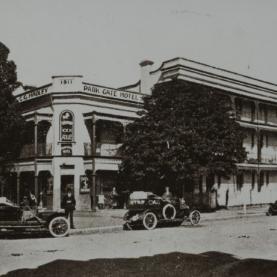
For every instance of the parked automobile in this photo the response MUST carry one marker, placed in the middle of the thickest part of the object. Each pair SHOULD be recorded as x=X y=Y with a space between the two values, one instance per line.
x=148 y=210
x=272 y=210
x=19 y=219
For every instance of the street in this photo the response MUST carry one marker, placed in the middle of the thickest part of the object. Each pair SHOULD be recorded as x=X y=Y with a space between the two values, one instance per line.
x=244 y=238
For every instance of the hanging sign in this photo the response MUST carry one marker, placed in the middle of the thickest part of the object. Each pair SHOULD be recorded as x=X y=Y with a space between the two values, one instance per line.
x=66 y=132
x=67 y=125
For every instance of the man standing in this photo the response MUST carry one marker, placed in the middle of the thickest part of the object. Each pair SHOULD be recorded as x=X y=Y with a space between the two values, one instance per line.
x=68 y=205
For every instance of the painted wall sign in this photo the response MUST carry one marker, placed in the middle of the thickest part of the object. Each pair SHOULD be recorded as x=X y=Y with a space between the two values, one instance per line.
x=66 y=132
x=66 y=126
x=84 y=184
x=112 y=93
x=32 y=94
x=66 y=150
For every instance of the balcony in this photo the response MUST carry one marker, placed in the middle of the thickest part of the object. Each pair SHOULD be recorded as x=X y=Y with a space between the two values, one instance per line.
x=43 y=150
x=103 y=150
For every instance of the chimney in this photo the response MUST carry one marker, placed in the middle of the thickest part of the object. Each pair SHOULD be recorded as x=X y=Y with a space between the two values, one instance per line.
x=145 y=78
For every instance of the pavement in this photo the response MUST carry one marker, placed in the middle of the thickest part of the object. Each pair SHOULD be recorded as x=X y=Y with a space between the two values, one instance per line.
x=106 y=221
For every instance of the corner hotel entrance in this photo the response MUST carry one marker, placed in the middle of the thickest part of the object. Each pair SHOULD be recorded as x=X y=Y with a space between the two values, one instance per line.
x=67 y=182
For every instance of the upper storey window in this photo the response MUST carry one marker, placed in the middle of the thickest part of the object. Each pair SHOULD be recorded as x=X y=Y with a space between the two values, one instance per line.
x=263 y=113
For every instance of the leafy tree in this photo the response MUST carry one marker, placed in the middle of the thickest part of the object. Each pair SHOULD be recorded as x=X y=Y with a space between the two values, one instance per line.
x=184 y=129
x=11 y=122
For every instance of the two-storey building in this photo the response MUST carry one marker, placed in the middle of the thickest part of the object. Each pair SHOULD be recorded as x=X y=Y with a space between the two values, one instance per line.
x=74 y=131
x=255 y=106
x=76 y=128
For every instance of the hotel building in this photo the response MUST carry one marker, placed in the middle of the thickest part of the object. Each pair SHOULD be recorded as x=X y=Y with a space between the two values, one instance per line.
x=76 y=128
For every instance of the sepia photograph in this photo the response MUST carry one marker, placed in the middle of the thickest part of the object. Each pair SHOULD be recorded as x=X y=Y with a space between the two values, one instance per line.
x=138 y=138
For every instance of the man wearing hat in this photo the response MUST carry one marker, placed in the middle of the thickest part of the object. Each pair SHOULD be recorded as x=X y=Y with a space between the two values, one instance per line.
x=68 y=204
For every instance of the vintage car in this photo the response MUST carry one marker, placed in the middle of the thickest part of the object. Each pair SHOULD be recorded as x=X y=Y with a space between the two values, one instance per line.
x=272 y=210
x=148 y=210
x=21 y=219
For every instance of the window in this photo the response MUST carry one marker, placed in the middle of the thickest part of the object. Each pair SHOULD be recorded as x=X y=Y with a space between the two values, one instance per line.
x=264 y=113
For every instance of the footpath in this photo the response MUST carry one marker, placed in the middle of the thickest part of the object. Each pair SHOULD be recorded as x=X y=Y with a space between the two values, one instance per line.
x=106 y=221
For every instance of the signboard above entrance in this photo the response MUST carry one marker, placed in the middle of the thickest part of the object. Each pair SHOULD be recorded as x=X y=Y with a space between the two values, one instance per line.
x=112 y=93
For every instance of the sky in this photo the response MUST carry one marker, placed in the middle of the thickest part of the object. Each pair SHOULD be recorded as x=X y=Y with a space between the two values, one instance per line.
x=105 y=40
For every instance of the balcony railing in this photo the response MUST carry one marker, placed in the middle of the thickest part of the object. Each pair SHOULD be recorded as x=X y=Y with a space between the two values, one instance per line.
x=269 y=155
x=43 y=150
x=252 y=155
x=103 y=149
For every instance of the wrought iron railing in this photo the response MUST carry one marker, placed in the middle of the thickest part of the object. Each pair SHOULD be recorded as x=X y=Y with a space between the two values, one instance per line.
x=103 y=149
x=43 y=150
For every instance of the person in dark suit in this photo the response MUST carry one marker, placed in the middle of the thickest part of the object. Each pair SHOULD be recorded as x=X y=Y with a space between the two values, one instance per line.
x=68 y=204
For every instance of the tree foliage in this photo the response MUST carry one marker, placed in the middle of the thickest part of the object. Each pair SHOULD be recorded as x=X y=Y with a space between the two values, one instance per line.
x=11 y=122
x=185 y=128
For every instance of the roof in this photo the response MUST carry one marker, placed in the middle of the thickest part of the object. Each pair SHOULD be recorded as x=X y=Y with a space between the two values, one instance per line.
x=229 y=81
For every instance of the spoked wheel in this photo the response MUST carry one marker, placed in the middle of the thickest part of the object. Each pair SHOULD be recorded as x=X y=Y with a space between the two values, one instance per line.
x=59 y=227
x=194 y=217
x=150 y=221
x=169 y=211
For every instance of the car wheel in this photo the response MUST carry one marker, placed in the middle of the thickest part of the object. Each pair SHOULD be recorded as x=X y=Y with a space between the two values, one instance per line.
x=59 y=227
x=194 y=217
x=169 y=211
x=150 y=221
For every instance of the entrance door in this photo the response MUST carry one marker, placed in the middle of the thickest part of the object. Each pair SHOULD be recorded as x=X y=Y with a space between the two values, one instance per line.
x=67 y=182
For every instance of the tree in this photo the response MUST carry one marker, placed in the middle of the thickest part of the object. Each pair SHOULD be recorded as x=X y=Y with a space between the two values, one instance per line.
x=184 y=129
x=11 y=122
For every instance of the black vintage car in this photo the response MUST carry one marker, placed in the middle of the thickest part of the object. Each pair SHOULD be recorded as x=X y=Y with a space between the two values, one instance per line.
x=149 y=210
x=272 y=210
x=17 y=220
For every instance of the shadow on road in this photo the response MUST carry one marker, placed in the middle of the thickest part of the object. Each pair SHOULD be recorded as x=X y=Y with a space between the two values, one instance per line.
x=208 y=264
x=12 y=236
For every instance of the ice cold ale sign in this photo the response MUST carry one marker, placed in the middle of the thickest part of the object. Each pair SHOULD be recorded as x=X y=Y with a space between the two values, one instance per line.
x=67 y=125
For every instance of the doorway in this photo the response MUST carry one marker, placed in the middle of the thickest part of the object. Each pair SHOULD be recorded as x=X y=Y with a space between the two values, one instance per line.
x=67 y=182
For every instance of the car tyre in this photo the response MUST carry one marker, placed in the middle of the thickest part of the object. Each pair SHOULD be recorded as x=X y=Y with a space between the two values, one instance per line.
x=171 y=209
x=150 y=221
x=194 y=217
x=59 y=227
